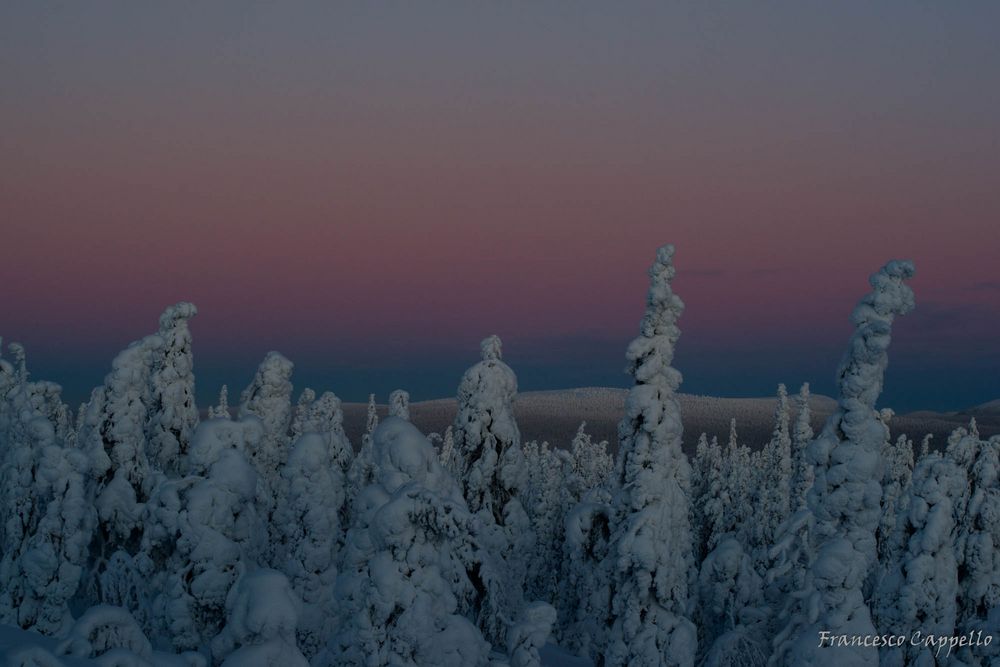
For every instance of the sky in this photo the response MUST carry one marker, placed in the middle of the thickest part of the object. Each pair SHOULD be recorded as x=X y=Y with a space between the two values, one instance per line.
x=372 y=188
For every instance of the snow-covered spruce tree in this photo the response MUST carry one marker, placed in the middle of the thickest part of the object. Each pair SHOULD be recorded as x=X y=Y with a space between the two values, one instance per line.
x=222 y=409
x=493 y=477
x=202 y=533
x=706 y=493
x=585 y=595
x=774 y=482
x=731 y=511
x=592 y=464
x=846 y=494
x=920 y=588
x=977 y=540
x=546 y=497
x=399 y=404
x=447 y=449
x=269 y=398
x=925 y=445
x=262 y=612
x=529 y=634
x=729 y=590
x=46 y=519
x=582 y=593
x=113 y=436
x=898 y=460
x=650 y=560
x=109 y=634
x=173 y=413
x=802 y=435
x=405 y=564
x=308 y=520
x=302 y=409
x=362 y=470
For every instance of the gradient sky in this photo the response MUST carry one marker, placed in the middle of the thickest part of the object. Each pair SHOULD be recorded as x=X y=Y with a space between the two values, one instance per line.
x=371 y=188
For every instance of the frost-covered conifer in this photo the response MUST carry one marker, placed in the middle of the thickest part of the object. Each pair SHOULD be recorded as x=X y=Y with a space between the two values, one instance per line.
x=113 y=436
x=529 y=634
x=920 y=589
x=362 y=470
x=898 y=459
x=706 y=493
x=447 y=455
x=586 y=594
x=977 y=539
x=405 y=565
x=774 y=481
x=592 y=465
x=262 y=612
x=399 y=404
x=802 y=435
x=173 y=413
x=925 y=445
x=46 y=519
x=222 y=409
x=650 y=559
x=110 y=634
x=729 y=590
x=846 y=495
x=269 y=398
x=730 y=512
x=302 y=409
x=204 y=532
x=546 y=497
x=308 y=522
x=493 y=475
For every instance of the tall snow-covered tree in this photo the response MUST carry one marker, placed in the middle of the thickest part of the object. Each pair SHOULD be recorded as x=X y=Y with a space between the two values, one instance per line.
x=302 y=409
x=729 y=590
x=404 y=577
x=730 y=512
x=493 y=474
x=173 y=413
x=362 y=470
x=774 y=481
x=308 y=520
x=650 y=558
x=977 y=539
x=592 y=465
x=898 y=459
x=802 y=435
x=222 y=408
x=269 y=399
x=920 y=589
x=113 y=436
x=262 y=612
x=399 y=404
x=46 y=517
x=846 y=495
x=203 y=533
x=706 y=493
x=546 y=497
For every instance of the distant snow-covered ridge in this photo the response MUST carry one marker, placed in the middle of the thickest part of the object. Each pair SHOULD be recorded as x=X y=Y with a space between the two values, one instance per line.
x=554 y=415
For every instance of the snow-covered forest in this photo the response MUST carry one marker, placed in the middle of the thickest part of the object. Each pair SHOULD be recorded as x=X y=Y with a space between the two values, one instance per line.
x=139 y=530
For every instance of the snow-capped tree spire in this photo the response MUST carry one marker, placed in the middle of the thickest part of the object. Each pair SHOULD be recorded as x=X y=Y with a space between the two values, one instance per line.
x=802 y=435
x=399 y=404
x=173 y=413
x=650 y=559
x=776 y=478
x=490 y=465
x=20 y=361
x=371 y=417
x=846 y=494
x=221 y=411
